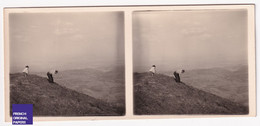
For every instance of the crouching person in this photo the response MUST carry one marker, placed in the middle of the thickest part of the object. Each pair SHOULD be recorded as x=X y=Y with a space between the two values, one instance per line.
x=177 y=75
x=50 y=75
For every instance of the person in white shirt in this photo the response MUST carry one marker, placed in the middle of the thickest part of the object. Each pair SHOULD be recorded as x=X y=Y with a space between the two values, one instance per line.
x=177 y=75
x=50 y=73
x=153 y=70
x=26 y=71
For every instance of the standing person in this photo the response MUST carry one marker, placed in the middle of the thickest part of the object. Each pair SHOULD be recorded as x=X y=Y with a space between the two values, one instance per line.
x=26 y=71
x=177 y=75
x=153 y=70
x=50 y=73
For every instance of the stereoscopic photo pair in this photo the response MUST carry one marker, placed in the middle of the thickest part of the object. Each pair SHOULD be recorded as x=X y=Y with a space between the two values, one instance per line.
x=123 y=62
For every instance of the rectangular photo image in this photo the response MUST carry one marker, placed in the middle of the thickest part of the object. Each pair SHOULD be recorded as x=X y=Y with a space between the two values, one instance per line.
x=191 y=62
x=67 y=63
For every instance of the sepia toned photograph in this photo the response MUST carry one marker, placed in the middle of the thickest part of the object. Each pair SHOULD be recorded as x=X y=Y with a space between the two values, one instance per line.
x=130 y=62
x=191 y=62
x=67 y=63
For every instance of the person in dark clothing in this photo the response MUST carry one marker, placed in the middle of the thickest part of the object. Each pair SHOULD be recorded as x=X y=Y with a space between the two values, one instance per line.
x=177 y=75
x=50 y=77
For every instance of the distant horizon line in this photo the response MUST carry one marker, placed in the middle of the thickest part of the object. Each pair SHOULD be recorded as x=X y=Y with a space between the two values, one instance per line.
x=193 y=68
x=138 y=71
x=70 y=69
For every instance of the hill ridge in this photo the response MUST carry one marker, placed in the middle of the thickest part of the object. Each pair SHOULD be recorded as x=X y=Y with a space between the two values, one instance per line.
x=160 y=94
x=52 y=99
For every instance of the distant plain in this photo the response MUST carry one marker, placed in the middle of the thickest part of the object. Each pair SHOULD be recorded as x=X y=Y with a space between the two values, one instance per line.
x=106 y=84
x=228 y=82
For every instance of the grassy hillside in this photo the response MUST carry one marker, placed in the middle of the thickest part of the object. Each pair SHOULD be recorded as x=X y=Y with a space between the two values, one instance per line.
x=56 y=100
x=162 y=95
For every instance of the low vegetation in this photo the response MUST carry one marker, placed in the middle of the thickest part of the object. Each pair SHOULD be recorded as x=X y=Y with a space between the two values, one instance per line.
x=50 y=99
x=161 y=95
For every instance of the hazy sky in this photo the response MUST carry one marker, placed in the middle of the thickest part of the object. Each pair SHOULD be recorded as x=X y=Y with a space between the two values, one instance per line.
x=189 y=39
x=66 y=40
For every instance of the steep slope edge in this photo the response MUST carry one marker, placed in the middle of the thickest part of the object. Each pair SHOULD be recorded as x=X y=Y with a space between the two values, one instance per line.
x=55 y=100
x=160 y=94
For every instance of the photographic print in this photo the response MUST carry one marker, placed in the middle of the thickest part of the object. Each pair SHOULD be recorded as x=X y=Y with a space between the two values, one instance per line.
x=68 y=63
x=190 y=62
x=130 y=62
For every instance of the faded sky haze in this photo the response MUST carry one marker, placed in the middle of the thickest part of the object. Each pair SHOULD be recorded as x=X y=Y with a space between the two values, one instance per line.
x=189 y=39
x=66 y=40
